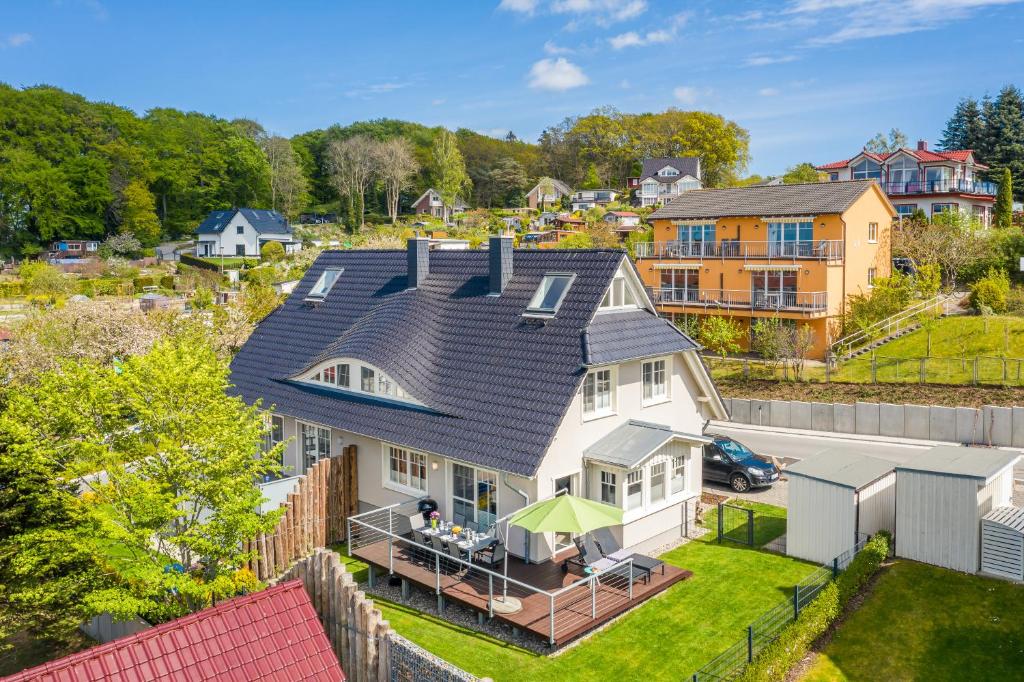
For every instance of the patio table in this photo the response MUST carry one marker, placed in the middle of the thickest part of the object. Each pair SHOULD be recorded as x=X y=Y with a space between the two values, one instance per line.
x=469 y=546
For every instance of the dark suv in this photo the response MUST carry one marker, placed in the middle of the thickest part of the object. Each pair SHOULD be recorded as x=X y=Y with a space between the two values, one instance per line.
x=730 y=461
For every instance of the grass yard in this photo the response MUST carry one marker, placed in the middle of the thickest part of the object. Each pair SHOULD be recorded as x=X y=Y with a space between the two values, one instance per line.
x=926 y=623
x=667 y=638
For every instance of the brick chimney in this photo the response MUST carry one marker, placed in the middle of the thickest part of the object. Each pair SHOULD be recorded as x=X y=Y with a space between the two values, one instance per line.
x=418 y=261
x=499 y=253
x=922 y=145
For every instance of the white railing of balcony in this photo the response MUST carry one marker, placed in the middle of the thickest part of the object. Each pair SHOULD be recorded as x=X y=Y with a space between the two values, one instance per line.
x=822 y=249
x=799 y=301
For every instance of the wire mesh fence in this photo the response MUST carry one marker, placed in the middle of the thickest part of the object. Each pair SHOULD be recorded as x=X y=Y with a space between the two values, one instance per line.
x=978 y=369
x=735 y=524
x=769 y=625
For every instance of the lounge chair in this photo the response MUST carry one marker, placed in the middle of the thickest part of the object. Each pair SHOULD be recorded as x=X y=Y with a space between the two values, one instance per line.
x=589 y=555
x=610 y=548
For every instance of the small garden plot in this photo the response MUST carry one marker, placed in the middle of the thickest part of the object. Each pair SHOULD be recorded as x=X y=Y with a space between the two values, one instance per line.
x=921 y=622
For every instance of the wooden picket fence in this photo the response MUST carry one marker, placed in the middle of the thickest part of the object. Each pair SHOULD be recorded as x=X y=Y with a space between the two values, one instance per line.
x=316 y=515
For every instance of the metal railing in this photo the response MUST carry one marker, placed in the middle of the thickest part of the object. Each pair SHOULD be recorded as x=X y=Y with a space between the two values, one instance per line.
x=569 y=607
x=941 y=187
x=937 y=305
x=769 y=625
x=792 y=301
x=821 y=249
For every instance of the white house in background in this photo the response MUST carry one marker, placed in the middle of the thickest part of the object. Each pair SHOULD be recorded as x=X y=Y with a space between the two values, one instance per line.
x=622 y=220
x=536 y=200
x=589 y=198
x=932 y=181
x=430 y=203
x=663 y=179
x=243 y=232
x=488 y=380
x=941 y=497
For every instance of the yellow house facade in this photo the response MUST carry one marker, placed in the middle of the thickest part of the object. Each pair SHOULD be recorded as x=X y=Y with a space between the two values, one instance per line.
x=794 y=252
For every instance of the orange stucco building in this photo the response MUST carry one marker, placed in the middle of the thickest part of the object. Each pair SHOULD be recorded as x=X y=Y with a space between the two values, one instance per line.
x=795 y=252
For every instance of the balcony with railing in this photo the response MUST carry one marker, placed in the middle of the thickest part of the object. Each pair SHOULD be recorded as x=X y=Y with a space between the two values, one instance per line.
x=941 y=187
x=807 y=302
x=829 y=250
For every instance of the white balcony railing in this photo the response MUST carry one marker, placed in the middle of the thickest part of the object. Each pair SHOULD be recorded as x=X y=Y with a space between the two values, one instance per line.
x=758 y=299
x=823 y=250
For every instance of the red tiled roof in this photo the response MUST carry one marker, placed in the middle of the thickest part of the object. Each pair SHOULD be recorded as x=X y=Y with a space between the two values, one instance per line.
x=924 y=155
x=625 y=214
x=270 y=635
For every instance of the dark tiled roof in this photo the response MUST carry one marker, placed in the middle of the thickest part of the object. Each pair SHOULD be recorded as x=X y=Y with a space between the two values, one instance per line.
x=814 y=198
x=686 y=165
x=496 y=384
x=263 y=221
x=271 y=635
x=615 y=337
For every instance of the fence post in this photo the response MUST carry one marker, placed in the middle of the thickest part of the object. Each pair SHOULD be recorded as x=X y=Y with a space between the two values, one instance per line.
x=750 y=644
x=490 y=595
x=975 y=370
x=874 y=368
x=721 y=526
x=593 y=600
x=750 y=527
x=921 y=370
x=796 y=601
x=551 y=617
x=835 y=566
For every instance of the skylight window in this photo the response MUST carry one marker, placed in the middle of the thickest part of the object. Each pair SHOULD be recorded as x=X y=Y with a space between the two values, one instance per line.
x=550 y=293
x=324 y=284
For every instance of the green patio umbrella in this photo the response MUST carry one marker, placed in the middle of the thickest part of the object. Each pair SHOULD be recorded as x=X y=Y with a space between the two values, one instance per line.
x=566 y=514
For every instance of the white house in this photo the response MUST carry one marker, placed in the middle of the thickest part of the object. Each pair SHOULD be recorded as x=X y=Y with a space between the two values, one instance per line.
x=663 y=179
x=932 y=181
x=622 y=220
x=243 y=232
x=430 y=203
x=488 y=380
x=536 y=199
x=589 y=198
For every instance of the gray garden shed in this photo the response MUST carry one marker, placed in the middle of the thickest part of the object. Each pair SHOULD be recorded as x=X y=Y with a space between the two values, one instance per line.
x=834 y=497
x=941 y=497
x=1002 y=543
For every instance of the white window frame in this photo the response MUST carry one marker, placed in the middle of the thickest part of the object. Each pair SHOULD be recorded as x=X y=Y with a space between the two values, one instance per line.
x=608 y=481
x=615 y=298
x=301 y=430
x=658 y=470
x=871 y=277
x=666 y=375
x=324 y=283
x=872 y=233
x=411 y=458
x=329 y=375
x=534 y=307
x=634 y=478
x=371 y=380
x=612 y=379
x=678 y=474
x=344 y=370
x=476 y=490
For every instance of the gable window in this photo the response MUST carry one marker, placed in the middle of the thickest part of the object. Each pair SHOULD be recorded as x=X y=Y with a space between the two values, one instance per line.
x=635 y=489
x=619 y=295
x=239 y=229
x=873 y=233
x=866 y=169
x=324 y=283
x=343 y=375
x=330 y=375
x=678 y=473
x=407 y=468
x=316 y=444
x=550 y=293
x=608 y=487
x=668 y=171
x=366 y=380
x=597 y=394
x=657 y=482
x=655 y=381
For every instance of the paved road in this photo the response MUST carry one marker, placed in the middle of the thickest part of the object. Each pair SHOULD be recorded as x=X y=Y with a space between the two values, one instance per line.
x=795 y=446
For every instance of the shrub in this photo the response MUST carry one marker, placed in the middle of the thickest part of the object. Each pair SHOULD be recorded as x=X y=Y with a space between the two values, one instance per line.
x=928 y=280
x=149 y=252
x=10 y=289
x=991 y=291
x=143 y=281
x=272 y=251
x=202 y=299
x=39 y=277
x=264 y=276
x=720 y=335
x=167 y=282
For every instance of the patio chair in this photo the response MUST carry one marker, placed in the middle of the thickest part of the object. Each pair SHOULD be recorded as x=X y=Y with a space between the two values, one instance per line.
x=438 y=544
x=491 y=557
x=419 y=555
x=455 y=552
x=459 y=519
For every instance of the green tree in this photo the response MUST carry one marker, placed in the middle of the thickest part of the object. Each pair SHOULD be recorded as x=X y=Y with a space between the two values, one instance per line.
x=450 y=168
x=579 y=240
x=139 y=214
x=592 y=180
x=1003 y=213
x=720 y=335
x=1004 y=127
x=769 y=339
x=928 y=280
x=545 y=188
x=989 y=294
x=802 y=173
x=272 y=251
x=43 y=279
x=258 y=301
x=880 y=144
x=965 y=127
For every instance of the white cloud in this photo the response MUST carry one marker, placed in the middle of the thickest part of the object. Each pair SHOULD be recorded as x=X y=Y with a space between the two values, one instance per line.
x=18 y=39
x=685 y=94
x=438 y=102
x=556 y=74
x=376 y=89
x=521 y=6
x=552 y=48
x=856 y=20
x=767 y=60
x=634 y=39
x=769 y=92
x=602 y=12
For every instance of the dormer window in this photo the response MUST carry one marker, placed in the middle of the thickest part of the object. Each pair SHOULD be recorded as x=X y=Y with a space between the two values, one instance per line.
x=323 y=285
x=354 y=376
x=550 y=294
x=668 y=171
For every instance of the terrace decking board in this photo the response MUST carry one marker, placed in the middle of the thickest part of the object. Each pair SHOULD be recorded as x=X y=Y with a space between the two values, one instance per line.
x=572 y=609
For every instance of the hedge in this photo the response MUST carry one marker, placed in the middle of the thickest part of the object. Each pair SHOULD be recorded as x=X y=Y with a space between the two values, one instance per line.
x=779 y=657
x=10 y=289
x=167 y=282
x=144 y=281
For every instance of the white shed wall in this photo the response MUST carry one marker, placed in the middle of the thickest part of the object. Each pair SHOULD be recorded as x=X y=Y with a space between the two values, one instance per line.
x=937 y=520
x=820 y=520
x=877 y=506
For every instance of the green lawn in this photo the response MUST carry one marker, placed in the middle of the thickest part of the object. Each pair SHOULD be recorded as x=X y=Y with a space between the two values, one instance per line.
x=666 y=639
x=928 y=623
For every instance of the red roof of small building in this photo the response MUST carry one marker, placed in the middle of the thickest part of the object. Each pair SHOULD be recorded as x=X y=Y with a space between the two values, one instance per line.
x=625 y=214
x=270 y=635
x=923 y=155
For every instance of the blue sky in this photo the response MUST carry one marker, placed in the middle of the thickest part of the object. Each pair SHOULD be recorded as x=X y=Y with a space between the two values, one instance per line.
x=810 y=79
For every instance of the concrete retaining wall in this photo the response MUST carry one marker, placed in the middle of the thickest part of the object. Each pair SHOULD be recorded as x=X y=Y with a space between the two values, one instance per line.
x=990 y=425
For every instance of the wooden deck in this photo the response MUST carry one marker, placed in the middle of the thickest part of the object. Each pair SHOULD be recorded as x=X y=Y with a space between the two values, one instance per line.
x=573 y=608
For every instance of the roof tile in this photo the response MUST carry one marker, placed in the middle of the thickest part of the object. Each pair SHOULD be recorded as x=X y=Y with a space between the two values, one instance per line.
x=813 y=198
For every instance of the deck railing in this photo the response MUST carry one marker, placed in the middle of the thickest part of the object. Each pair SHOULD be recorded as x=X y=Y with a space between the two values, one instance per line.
x=942 y=187
x=783 y=301
x=822 y=249
x=568 y=607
